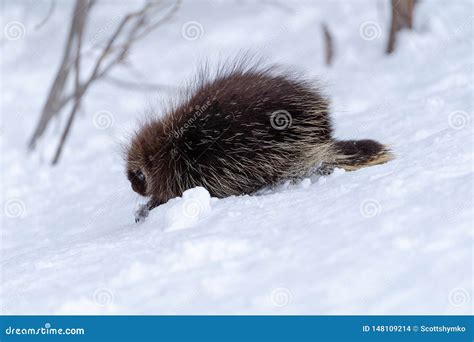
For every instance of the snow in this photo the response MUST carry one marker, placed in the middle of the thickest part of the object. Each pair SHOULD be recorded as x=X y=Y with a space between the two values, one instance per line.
x=390 y=239
x=187 y=211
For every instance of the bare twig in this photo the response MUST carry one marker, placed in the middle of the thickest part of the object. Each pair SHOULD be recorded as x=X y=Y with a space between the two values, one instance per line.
x=52 y=6
x=145 y=32
x=160 y=22
x=133 y=27
x=79 y=29
x=328 y=45
x=402 y=17
x=53 y=101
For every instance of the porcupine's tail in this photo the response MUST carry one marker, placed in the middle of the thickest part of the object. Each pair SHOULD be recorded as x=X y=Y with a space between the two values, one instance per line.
x=355 y=154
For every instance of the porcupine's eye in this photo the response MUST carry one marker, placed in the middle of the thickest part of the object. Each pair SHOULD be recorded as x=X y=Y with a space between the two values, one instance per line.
x=140 y=176
x=138 y=181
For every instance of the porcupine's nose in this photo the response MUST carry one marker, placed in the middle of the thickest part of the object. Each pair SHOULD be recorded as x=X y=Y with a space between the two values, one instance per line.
x=138 y=188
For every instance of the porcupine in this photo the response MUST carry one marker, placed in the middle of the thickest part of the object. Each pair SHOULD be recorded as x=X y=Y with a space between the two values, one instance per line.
x=246 y=127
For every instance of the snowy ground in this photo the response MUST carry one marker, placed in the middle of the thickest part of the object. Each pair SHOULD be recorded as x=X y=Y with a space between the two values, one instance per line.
x=390 y=239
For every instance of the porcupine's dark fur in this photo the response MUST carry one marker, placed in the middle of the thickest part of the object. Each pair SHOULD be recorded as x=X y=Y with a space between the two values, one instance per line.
x=243 y=129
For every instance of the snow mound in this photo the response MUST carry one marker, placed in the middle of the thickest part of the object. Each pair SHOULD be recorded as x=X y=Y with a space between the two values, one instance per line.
x=185 y=212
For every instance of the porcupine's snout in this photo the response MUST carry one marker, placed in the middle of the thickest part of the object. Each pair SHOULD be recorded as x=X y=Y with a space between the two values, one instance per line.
x=138 y=182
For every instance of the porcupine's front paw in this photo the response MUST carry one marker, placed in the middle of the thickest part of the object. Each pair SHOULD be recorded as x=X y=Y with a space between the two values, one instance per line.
x=141 y=213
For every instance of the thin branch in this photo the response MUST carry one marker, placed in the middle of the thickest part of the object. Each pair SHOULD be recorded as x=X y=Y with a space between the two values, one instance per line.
x=163 y=20
x=53 y=104
x=402 y=17
x=145 y=32
x=108 y=49
x=52 y=6
x=133 y=27
x=81 y=22
x=328 y=44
